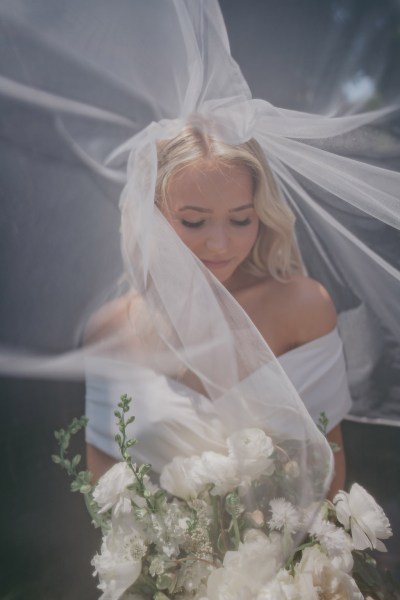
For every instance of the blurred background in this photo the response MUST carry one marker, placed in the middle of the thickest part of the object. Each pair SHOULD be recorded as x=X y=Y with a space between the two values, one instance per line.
x=332 y=56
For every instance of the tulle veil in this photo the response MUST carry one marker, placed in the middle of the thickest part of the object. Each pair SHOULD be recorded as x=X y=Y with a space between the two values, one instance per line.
x=85 y=97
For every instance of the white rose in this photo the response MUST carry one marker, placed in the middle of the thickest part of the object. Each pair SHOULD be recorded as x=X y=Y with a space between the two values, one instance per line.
x=253 y=449
x=317 y=577
x=111 y=492
x=358 y=511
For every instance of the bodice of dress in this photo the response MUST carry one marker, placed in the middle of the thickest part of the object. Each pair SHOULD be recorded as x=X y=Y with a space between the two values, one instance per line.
x=173 y=420
x=318 y=372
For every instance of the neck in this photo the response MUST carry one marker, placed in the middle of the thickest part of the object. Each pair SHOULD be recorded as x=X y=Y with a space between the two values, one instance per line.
x=240 y=280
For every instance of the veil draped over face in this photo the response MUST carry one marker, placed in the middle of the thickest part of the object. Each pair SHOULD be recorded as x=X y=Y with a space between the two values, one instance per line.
x=85 y=95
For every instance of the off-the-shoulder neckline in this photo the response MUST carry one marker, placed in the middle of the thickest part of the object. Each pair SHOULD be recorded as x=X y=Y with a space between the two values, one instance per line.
x=316 y=342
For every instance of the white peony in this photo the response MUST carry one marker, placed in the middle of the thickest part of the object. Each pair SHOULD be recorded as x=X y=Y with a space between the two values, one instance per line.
x=252 y=449
x=317 y=577
x=358 y=512
x=245 y=571
x=250 y=452
x=111 y=492
x=282 y=587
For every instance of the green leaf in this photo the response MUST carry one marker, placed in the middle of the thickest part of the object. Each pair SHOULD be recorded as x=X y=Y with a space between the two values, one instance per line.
x=365 y=568
x=85 y=489
x=144 y=469
x=56 y=459
x=322 y=422
x=166 y=581
x=76 y=460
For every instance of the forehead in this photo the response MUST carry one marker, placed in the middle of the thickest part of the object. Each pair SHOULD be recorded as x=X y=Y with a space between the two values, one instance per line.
x=207 y=183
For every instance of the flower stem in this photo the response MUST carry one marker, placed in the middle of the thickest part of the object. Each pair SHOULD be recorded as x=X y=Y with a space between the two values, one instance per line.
x=298 y=549
x=236 y=531
x=214 y=529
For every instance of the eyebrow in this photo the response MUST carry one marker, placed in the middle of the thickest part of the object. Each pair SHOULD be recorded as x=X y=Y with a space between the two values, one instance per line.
x=206 y=210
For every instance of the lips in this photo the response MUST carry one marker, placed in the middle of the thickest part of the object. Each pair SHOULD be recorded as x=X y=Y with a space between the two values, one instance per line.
x=216 y=264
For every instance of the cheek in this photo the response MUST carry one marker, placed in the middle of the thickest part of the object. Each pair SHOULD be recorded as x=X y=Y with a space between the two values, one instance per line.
x=191 y=238
x=249 y=237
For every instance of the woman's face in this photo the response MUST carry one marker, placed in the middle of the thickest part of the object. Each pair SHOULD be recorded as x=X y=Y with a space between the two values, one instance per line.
x=211 y=208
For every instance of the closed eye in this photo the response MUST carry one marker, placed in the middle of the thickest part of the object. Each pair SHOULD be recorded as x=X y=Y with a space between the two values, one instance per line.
x=241 y=223
x=193 y=224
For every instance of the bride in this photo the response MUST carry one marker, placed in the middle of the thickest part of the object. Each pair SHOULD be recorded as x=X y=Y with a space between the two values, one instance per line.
x=212 y=293
x=223 y=203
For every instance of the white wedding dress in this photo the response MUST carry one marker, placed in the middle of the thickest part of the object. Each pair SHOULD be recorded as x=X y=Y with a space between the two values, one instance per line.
x=173 y=420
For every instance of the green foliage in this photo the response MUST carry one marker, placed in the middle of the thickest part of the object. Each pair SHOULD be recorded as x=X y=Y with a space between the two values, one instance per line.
x=81 y=480
x=371 y=581
x=323 y=426
x=154 y=501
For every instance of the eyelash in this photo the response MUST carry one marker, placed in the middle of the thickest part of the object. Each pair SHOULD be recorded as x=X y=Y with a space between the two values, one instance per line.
x=197 y=224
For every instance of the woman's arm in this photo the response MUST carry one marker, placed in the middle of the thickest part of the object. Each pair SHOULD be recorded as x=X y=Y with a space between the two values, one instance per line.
x=105 y=324
x=98 y=462
x=339 y=478
x=316 y=316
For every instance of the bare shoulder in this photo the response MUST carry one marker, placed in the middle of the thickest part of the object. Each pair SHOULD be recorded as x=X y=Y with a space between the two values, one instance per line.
x=313 y=311
x=109 y=319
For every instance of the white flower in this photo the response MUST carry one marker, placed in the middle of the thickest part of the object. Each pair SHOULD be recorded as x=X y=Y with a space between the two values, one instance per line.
x=245 y=571
x=119 y=564
x=183 y=477
x=193 y=576
x=284 y=516
x=317 y=577
x=221 y=471
x=282 y=587
x=358 y=511
x=292 y=469
x=187 y=477
x=255 y=518
x=111 y=492
x=157 y=566
x=335 y=542
x=252 y=449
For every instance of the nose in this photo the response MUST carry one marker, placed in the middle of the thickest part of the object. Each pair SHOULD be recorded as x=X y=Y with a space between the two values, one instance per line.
x=217 y=239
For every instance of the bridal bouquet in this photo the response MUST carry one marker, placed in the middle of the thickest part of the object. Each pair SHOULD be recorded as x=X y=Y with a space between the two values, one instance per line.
x=215 y=530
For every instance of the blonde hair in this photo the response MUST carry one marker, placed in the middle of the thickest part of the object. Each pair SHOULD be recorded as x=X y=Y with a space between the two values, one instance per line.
x=275 y=251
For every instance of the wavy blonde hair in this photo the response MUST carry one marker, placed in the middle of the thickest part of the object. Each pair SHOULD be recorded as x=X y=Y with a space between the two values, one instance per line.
x=275 y=251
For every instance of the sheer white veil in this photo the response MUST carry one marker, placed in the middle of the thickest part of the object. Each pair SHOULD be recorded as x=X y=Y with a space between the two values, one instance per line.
x=87 y=97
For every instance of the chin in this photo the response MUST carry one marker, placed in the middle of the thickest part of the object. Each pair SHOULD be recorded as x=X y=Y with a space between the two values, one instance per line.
x=223 y=277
